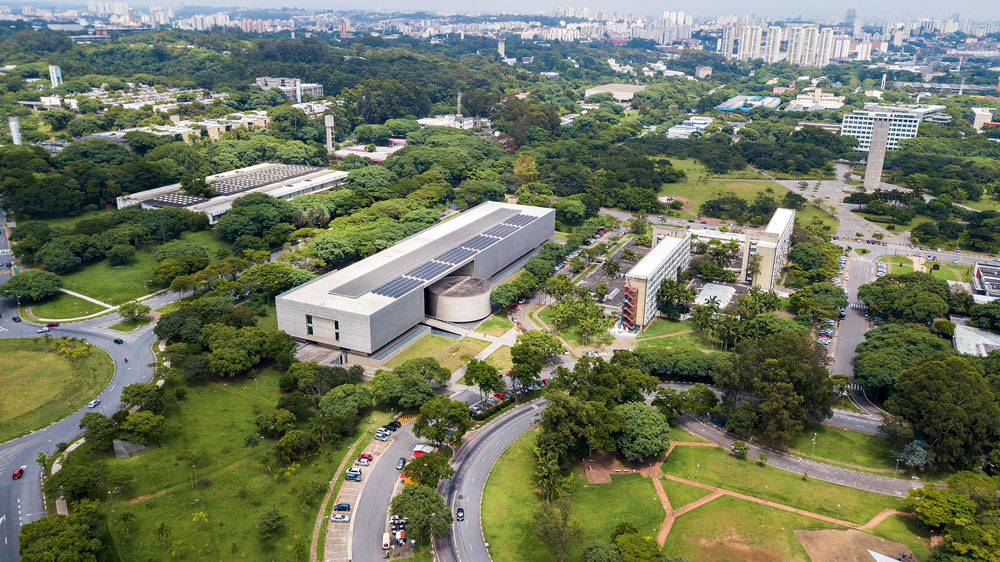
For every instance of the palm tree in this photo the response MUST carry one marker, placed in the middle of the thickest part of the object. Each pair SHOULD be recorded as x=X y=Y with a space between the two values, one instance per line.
x=125 y=517
x=162 y=532
x=320 y=424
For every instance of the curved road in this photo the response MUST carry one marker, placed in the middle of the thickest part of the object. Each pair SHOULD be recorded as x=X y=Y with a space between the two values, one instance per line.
x=473 y=462
x=21 y=500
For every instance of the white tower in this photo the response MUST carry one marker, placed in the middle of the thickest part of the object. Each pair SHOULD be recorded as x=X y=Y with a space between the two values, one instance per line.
x=298 y=91
x=15 y=129
x=55 y=76
x=459 y=113
x=328 y=123
x=502 y=48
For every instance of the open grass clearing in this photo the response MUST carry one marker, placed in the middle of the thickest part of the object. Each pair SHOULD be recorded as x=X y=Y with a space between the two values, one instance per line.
x=510 y=500
x=682 y=340
x=63 y=305
x=129 y=325
x=950 y=271
x=681 y=494
x=908 y=531
x=728 y=528
x=501 y=359
x=230 y=490
x=429 y=345
x=461 y=352
x=208 y=239
x=113 y=285
x=663 y=327
x=811 y=212
x=721 y=469
x=269 y=322
x=844 y=445
x=67 y=223
x=571 y=335
x=699 y=191
x=41 y=386
x=693 y=169
x=680 y=434
x=496 y=325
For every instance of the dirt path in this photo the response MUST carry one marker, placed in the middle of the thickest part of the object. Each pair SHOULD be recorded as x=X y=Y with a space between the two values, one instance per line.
x=697 y=503
x=883 y=515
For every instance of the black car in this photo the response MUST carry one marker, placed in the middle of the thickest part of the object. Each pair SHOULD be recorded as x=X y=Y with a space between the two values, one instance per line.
x=394 y=424
x=119 y=341
x=400 y=463
x=460 y=514
x=342 y=507
x=16 y=318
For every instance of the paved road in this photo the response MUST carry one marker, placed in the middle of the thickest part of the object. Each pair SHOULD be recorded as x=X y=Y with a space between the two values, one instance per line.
x=370 y=513
x=473 y=462
x=21 y=500
x=852 y=328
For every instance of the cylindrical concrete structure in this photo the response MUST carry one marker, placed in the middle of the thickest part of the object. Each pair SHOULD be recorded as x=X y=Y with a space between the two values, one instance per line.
x=459 y=299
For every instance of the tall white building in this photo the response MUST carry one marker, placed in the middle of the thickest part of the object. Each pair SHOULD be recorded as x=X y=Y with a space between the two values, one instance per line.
x=749 y=48
x=808 y=46
x=55 y=76
x=824 y=49
x=772 y=46
x=859 y=123
x=728 y=38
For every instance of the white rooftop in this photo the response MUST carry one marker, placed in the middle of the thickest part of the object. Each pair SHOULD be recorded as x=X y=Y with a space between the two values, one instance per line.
x=652 y=261
x=974 y=341
x=723 y=294
x=779 y=221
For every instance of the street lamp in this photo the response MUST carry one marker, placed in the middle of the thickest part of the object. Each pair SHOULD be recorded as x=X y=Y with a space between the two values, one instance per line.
x=895 y=469
x=111 y=498
x=764 y=512
x=814 y=445
x=838 y=514
x=697 y=472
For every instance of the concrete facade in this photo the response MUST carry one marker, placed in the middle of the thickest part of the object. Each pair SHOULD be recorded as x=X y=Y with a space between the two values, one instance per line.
x=903 y=124
x=668 y=256
x=369 y=304
x=876 y=154
x=772 y=245
x=459 y=299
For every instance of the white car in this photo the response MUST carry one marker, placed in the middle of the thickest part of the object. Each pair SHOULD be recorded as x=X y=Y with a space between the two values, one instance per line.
x=340 y=518
x=93 y=403
x=362 y=462
x=42 y=330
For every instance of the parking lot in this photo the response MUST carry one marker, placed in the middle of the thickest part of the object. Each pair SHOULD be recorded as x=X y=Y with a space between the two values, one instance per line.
x=615 y=283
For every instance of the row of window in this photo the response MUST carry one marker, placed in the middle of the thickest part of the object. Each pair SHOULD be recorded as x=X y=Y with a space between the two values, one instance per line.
x=336 y=327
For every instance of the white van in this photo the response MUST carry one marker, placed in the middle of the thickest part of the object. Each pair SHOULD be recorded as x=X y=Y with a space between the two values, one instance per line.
x=385 y=541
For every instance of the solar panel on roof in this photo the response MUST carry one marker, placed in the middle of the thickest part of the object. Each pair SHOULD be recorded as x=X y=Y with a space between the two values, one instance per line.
x=520 y=220
x=480 y=242
x=428 y=270
x=455 y=255
x=501 y=230
x=398 y=287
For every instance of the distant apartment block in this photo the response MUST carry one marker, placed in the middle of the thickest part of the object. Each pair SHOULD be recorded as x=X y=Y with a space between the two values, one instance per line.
x=291 y=87
x=702 y=71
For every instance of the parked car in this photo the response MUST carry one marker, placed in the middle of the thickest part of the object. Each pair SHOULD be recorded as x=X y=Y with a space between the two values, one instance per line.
x=340 y=518
x=460 y=514
x=18 y=473
x=42 y=330
x=499 y=395
x=93 y=403
x=342 y=507
x=394 y=424
x=52 y=325
x=353 y=474
x=365 y=456
x=16 y=319
x=400 y=463
x=382 y=437
x=362 y=462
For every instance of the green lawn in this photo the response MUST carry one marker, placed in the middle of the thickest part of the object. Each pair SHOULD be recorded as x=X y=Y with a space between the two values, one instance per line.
x=40 y=386
x=113 y=285
x=699 y=191
x=269 y=322
x=207 y=239
x=510 y=499
x=950 y=271
x=885 y=221
x=811 y=212
x=68 y=223
x=63 y=305
x=230 y=489
x=501 y=359
x=461 y=352
x=690 y=340
x=129 y=325
x=694 y=169
x=571 y=335
x=721 y=469
x=899 y=264
x=662 y=327
x=906 y=531
x=681 y=434
x=428 y=346
x=681 y=494
x=834 y=443
x=496 y=325
x=728 y=528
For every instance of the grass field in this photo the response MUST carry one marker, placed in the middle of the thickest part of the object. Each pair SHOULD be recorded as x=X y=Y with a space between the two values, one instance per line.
x=907 y=531
x=871 y=451
x=690 y=340
x=681 y=494
x=63 y=305
x=40 y=386
x=129 y=325
x=719 y=468
x=113 y=285
x=900 y=264
x=69 y=222
x=428 y=346
x=510 y=499
x=501 y=359
x=699 y=191
x=207 y=239
x=681 y=434
x=496 y=325
x=662 y=327
x=728 y=528
x=571 y=335
x=951 y=271
x=694 y=169
x=885 y=221
x=810 y=211
x=269 y=322
x=461 y=352
x=230 y=490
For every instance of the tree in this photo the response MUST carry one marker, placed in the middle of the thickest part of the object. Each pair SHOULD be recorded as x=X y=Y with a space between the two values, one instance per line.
x=196 y=186
x=635 y=547
x=133 y=310
x=273 y=278
x=276 y=423
x=125 y=517
x=612 y=267
x=405 y=391
x=120 y=254
x=250 y=441
x=554 y=528
x=740 y=448
x=483 y=375
x=645 y=434
x=145 y=395
x=700 y=399
x=948 y=403
x=600 y=551
x=425 y=510
x=890 y=349
x=529 y=354
x=674 y=298
x=100 y=430
x=33 y=284
x=140 y=426
x=429 y=469
x=60 y=538
x=442 y=420
x=270 y=525
x=346 y=400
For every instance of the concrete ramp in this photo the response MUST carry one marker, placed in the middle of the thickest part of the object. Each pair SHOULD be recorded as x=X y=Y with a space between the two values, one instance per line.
x=445 y=326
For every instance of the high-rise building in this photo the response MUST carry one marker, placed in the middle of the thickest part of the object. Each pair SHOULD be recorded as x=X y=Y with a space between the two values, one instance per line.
x=772 y=47
x=55 y=76
x=824 y=49
x=328 y=122
x=860 y=123
x=749 y=48
x=766 y=250
x=798 y=45
x=877 y=144
x=850 y=17
x=14 y=123
x=728 y=39
x=502 y=48
x=668 y=258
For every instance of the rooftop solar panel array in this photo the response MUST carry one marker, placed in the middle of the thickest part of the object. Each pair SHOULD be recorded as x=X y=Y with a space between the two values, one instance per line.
x=520 y=220
x=236 y=183
x=501 y=230
x=428 y=270
x=480 y=242
x=455 y=255
x=398 y=287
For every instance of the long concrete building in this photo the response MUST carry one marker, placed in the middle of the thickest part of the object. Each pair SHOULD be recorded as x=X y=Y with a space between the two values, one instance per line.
x=666 y=260
x=772 y=245
x=441 y=273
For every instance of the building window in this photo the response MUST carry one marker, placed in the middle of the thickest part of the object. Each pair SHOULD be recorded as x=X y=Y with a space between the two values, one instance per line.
x=336 y=324
x=309 y=319
x=309 y=330
x=336 y=336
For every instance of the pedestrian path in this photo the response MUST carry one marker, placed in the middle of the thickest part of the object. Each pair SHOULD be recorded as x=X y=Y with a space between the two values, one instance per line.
x=103 y=326
x=86 y=298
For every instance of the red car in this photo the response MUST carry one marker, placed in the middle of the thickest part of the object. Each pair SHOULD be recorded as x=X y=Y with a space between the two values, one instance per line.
x=18 y=473
x=365 y=456
x=52 y=324
x=498 y=395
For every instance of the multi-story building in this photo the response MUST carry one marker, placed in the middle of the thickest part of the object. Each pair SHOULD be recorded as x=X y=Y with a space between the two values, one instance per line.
x=728 y=39
x=749 y=48
x=442 y=273
x=799 y=45
x=55 y=76
x=980 y=116
x=765 y=250
x=666 y=260
x=824 y=49
x=903 y=124
x=293 y=88
x=772 y=47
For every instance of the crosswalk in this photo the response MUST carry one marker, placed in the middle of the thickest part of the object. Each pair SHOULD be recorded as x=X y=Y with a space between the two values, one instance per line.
x=859 y=306
x=103 y=326
x=4 y=251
